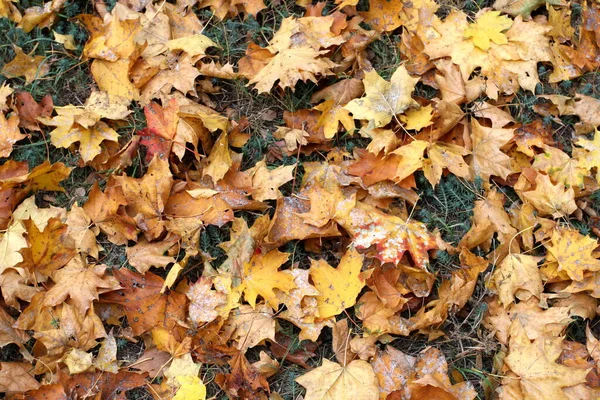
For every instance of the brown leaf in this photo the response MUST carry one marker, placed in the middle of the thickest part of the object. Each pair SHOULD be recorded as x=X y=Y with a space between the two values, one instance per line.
x=143 y=303
x=29 y=110
x=15 y=377
x=103 y=386
x=244 y=381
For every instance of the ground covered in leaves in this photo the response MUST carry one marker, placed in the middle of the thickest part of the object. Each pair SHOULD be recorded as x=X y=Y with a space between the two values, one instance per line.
x=299 y=200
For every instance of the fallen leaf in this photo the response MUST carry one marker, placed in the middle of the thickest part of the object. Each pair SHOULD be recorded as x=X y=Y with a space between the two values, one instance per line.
x=31 y=68
x=338 y=287
x=384 y=100
x=332 y=381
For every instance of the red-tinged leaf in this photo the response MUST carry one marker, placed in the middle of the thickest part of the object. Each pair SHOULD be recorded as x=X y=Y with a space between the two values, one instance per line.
x=162 y=127
x=102 y=385
x=144 y=304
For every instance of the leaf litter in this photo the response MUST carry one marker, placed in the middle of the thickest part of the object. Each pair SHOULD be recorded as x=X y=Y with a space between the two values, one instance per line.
x=389 y=214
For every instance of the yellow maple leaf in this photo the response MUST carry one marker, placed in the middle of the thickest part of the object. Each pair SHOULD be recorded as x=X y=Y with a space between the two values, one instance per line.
x=265 y=182
x=67 y=41
x=571 y=252
x=488 y=28
x=291 y=65
x=507 y=65
x=417 y=119
x=182 y=375
x=548 y=198
x=219 y=160
x=535 y=363
x=194 y=46
x=332 y=115
x=588 y=153
x=113 y=78
x=261 y=277
x=24 y=65
x=445 y=155
x=338 y=287
x=332 y=381
x=113 y=40
x=313 y=32
x=412 y=158
x=383 y=100
x=518 y=274
x=488 y=159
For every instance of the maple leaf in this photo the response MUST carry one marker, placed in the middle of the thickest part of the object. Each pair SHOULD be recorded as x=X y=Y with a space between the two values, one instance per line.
x=489 y=219
x=68 y=132
x=518 y=275
x=391 y=235
x=24 y=65
x=182 y=375
x=571 y=253
x=112 y=39
x=15 y=287
x=289 y=66
x=333 y=381
x=535 y=364
x=561 y=167
x=145 y=255
x=244 y=381
x=15 y=377
x=47 y=251
x=79 y=282
x=383 y=100
x=488 y=28
x=548 y=198
x=144 y=304
x=101 y=384
x=302 y=306
x=265 y=182
x=588 y=152
x=505 y=73
x=9 y=134
x=393 y=369
x=12 y=241
x=104 y=209
x=488 y=159
x=219 y=160
x=162 y=127
x=338 y=287
x=113 y=78
x=384 y=16
x=252 y=325
x=333 y=115
x=417 y=119
x=314 y=32
x=204 y=301
x=195 y=45
x=29 y=110
x=453 y=293
x=233 y=7
x=445 y=155
x=79 y=229
x=146 y=197
x=261 y=277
